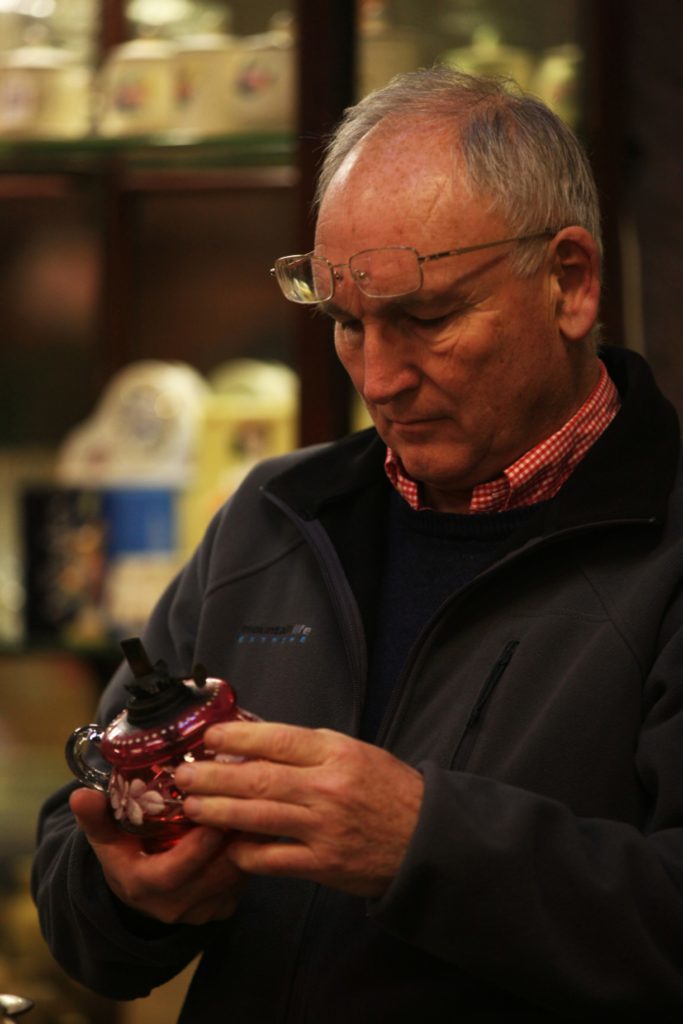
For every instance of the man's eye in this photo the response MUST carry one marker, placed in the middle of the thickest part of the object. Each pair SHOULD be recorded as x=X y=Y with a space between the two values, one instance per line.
x=432 y=322
x=349 y=332
x=349 y=327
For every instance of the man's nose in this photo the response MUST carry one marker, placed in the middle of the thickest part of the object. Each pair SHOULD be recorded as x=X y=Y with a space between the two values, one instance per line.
x=389 y=363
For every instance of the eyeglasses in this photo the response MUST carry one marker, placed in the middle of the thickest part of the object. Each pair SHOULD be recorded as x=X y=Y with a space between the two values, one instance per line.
x=382 y=273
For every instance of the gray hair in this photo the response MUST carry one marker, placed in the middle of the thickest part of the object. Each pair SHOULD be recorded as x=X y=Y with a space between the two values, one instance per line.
x=515 y=150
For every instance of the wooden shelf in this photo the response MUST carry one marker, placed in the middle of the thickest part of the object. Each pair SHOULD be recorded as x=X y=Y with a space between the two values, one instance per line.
x=32 y=186
x=207 y=180
x=171 y=151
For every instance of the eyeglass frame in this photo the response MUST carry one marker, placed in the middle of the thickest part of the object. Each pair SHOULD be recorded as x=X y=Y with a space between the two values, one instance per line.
x=420 y=258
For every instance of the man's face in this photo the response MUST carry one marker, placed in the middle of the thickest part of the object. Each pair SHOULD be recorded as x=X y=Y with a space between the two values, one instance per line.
x=466 y=374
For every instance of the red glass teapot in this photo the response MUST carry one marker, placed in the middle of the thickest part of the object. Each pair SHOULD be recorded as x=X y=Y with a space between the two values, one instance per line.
x=162 y=726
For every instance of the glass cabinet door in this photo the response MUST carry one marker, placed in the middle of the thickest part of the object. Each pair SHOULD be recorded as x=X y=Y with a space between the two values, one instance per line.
x=536 y=42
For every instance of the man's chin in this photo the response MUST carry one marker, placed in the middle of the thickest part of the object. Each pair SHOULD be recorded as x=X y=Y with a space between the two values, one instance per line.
x=438 y=480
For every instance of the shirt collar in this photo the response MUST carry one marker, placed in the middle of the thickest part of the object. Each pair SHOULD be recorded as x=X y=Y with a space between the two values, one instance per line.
x=538 y=474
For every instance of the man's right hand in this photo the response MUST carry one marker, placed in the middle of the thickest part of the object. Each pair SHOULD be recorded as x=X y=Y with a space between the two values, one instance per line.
x=192 y=883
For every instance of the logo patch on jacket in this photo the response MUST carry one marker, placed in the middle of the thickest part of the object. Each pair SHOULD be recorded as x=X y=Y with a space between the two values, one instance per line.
x=297 y=634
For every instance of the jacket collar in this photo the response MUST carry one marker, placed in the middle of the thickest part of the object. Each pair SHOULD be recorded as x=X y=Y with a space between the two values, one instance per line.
x=630 y=470
x=331 y=473
x=604 y=487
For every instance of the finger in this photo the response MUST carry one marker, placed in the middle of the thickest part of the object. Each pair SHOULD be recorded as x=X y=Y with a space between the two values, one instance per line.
x=287 y=744
x=217 y=900
x=264 y=817
x=253 y=779
x=93 y=816
x=182 y=863
x=300 y=860
x=120 y=851
x=158 y=883
x=211 y=893
x=255 y=856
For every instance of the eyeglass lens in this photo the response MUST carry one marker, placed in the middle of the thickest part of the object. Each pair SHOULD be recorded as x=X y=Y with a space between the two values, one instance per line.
x=382 y=273
x=304 y=280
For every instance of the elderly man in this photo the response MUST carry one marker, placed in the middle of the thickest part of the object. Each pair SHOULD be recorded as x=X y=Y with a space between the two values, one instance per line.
x=465 y=801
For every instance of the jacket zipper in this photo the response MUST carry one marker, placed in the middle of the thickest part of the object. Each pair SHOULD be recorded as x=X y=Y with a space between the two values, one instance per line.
x=490 y=684
x=295 y=1000
x=340 y=594
x=352 y=633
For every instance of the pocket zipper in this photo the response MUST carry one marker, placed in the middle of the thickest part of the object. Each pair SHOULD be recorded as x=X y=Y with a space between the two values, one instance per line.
x=487 y=689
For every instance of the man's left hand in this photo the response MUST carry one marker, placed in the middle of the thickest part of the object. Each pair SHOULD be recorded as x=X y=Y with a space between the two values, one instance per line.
x=308 y=803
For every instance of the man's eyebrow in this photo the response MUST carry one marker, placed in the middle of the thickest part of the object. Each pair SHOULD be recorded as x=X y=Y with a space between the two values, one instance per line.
x=436 y=296
x=417 y=300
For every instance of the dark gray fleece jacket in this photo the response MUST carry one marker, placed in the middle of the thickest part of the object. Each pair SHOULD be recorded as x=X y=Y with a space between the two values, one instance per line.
x=543 y=704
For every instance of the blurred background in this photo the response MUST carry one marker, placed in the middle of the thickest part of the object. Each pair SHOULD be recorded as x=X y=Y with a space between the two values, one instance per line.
x=155 y=156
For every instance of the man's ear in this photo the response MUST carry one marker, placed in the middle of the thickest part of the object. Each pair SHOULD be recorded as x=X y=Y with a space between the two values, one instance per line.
x=576 y=268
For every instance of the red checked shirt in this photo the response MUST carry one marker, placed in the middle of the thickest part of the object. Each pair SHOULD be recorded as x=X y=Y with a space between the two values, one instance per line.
x=540 y=472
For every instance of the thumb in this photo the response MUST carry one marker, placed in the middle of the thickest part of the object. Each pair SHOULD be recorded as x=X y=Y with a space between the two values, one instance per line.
x=93 y=816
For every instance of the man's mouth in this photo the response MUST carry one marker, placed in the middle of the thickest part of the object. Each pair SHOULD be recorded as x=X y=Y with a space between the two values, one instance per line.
x=414 y=421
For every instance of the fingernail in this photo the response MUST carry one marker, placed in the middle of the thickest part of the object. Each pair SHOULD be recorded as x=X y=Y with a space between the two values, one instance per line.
x=183 y=775
x=212 y=735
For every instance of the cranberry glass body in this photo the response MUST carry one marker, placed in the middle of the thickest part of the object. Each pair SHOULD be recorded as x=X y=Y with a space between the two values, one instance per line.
x=141 y=788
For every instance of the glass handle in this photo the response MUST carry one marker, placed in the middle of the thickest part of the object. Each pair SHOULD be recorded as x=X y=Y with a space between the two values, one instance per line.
x=91 y=777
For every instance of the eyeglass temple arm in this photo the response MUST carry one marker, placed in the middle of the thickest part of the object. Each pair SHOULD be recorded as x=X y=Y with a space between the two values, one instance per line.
x=486 y=245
